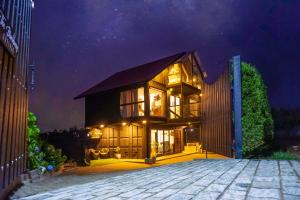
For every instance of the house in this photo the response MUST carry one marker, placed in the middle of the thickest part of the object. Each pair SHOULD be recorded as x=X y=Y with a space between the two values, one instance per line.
x=161 y=108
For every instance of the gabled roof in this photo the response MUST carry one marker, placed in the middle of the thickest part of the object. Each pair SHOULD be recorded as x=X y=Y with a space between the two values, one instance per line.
x=139 y=74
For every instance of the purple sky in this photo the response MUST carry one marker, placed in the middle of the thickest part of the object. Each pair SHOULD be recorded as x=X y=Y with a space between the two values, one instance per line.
x=77 y=43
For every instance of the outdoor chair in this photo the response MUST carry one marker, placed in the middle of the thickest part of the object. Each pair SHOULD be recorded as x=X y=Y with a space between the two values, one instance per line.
x=104 y=152
x=95 y=154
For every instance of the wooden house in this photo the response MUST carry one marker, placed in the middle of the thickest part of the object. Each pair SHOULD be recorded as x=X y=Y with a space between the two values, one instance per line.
x=160 y=108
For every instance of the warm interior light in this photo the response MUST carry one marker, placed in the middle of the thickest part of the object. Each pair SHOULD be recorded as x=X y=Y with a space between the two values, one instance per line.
x=201 y=95
x=124 y=124
x=95 y=133
x=189 y=123
x=144 y=121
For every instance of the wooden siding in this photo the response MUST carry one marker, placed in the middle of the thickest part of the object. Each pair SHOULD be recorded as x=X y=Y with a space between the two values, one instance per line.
x=216 y=130
x=130 y=139
x=14 y=93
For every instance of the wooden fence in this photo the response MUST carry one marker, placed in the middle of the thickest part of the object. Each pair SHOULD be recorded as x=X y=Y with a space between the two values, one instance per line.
x=15 y=22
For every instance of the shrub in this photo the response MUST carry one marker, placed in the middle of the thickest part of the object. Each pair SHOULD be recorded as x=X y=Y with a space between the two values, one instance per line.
x=41 y=155
x=53 y=158
x=280 y=155
x=35 y=156
x=257 y=120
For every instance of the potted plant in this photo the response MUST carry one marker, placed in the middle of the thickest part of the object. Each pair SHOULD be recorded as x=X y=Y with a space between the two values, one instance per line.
x=153 y=153
x=117 y=153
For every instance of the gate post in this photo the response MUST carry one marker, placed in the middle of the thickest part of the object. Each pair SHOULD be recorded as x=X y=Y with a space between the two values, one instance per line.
x=237 y=105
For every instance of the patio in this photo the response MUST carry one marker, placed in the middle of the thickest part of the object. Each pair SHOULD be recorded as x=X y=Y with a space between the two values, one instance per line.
x=198 y=179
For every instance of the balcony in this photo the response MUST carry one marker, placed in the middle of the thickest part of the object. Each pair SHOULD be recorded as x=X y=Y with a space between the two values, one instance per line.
x=191 y=110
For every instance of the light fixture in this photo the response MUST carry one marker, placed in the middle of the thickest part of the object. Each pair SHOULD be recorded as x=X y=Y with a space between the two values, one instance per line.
x=32 y=3
x=102 y=126
x=124 y=123
x=201 y=95
x=144 y=121
x=189 y=123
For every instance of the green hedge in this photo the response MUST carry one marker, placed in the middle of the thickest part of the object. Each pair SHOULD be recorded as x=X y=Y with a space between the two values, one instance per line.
x=257 y=120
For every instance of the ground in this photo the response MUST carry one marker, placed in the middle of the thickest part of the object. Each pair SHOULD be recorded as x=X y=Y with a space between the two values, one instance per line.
x=198 y=179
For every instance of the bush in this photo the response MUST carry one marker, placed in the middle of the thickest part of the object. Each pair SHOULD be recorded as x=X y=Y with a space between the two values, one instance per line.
x=280 y=155
x=53 y=158
x=257 y=120
x=41 y=155
x=35 y=156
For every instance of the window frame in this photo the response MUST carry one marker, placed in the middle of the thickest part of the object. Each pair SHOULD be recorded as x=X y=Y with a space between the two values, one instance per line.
x=132 y=103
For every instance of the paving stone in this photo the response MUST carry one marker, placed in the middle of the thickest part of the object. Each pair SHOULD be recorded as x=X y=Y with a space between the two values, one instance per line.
x=234 y=194
x=132 y=193
x=215 y=188
x=265 y=184
x=141 y=196
x=291 y=190
x=290 y=197
x=264 y=193
x=205 y=179
x=207 y=196
x=180 y=197
x=166 y=192
x=192 y=189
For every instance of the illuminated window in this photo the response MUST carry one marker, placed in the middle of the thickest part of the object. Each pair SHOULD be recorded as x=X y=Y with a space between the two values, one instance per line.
x=174 y=107
x=174 y=75
x=132 y=103
x=157 y=102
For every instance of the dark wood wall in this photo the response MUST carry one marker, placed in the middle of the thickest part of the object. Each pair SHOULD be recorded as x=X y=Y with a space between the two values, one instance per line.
x=16 y=15
x=130 y=139
x=216 y=129
x=102 y=108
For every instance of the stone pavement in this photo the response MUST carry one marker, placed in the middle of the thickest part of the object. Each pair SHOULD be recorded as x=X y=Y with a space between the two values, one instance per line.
x=199 y=179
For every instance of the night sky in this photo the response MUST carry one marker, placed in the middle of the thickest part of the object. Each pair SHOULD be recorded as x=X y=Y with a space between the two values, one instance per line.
x=77 y=43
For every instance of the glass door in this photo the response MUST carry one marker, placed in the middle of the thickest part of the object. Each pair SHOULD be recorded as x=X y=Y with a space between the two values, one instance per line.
x=162 y=142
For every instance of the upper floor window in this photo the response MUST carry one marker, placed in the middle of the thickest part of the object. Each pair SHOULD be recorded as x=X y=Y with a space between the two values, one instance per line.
x=157 y=102
x=132 y=103
x=174 y=75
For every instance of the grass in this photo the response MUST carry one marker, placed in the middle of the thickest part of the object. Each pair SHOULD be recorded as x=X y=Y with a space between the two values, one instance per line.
x=281 y=155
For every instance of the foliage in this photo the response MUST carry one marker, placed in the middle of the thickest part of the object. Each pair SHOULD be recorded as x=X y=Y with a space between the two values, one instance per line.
x=53 y=158
x=35 y=156
x=41 y=155
x=280 y=155
x=257 y=120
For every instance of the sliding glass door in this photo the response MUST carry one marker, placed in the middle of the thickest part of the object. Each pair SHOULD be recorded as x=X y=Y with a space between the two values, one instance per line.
x=162 y=142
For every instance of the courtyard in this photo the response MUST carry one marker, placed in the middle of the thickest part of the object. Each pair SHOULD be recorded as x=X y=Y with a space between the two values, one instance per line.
x=197 y=179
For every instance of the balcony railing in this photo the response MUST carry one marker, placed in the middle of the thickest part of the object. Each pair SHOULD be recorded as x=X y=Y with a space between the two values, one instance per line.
x=191 y=110
x=188 y=111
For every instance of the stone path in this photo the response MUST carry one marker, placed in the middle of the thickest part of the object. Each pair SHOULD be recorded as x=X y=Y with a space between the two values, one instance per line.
x=200 y=179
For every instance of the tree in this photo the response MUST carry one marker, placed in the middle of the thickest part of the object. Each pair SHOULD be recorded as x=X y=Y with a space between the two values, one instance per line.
x=257 y=120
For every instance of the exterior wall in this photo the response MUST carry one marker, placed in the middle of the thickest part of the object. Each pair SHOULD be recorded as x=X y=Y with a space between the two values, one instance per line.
x=15 y=22
x=216 y=131
x=130 y=139
x=104 y=108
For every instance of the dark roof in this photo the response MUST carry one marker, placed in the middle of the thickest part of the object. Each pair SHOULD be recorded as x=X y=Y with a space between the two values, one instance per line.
x=139 y=74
